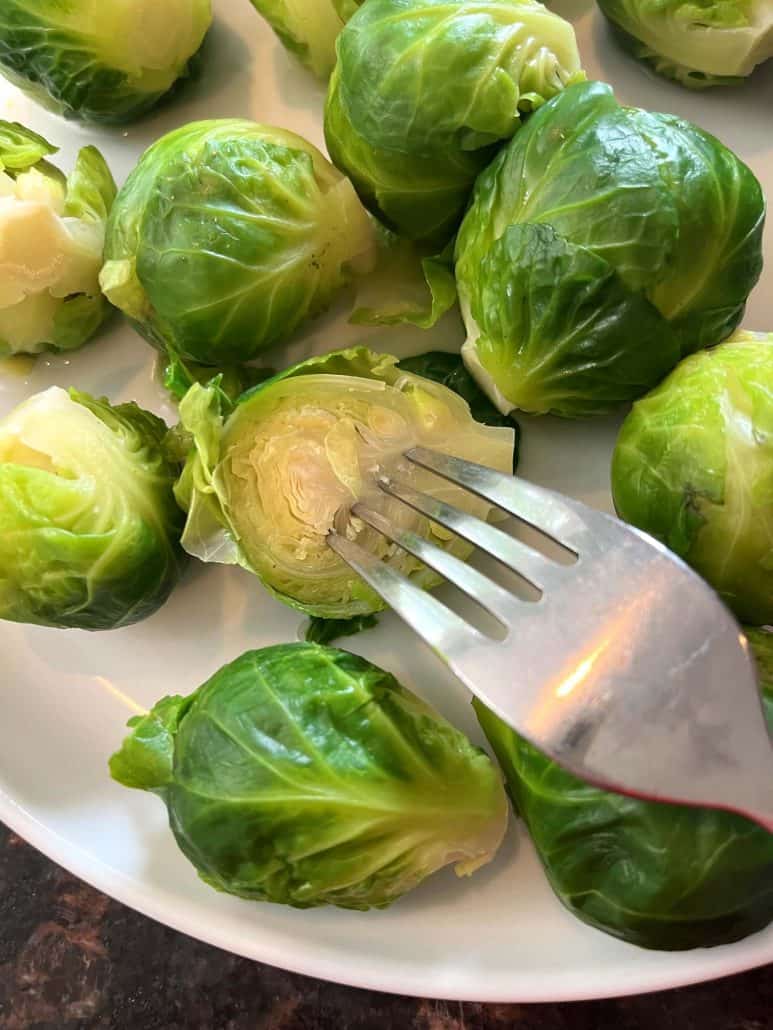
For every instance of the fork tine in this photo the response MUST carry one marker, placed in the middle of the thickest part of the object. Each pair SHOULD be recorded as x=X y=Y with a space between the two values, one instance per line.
x=442 y=629
x=557 y=516
x=529 y=563
x=498 y=602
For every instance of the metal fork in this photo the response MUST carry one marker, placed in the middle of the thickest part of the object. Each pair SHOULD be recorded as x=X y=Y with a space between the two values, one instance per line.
x=629 y=671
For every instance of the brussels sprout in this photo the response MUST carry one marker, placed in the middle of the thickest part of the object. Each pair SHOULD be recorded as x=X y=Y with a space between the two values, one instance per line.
x=693 y=466
x=423 y=92
x=698 y=43
x=660 y=876
x=102 y=60
x=89 y=528
x=227 y=236
x=304 y=775
x=602 y=244
x=52 y=232
x=266 y=482
x=309 y=28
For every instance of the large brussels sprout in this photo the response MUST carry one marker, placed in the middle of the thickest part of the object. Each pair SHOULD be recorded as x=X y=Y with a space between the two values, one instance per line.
x=697 y=42
x=89 y=528
x=266 y=481
x=52 y=231
x=660 y=876
x=304 y=775
x=423 y=92
x=601 y=245
x=693 y=466
x=309 y=28
x=102 y=60
x=227 y=236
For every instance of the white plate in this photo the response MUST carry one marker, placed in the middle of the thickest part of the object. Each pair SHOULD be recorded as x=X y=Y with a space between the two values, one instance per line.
x=500 y=936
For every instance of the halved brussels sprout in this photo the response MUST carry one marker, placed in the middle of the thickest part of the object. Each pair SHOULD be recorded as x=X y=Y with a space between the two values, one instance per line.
x=660 y=876
x=89 y=528
x=601 y=245
x=52 y=233
x=304 y=775
x=424 y=91
x=309 y=28
x=266 y=482
x=698 y=43
x=102 y=60
x=693 y=466
x=227 y=236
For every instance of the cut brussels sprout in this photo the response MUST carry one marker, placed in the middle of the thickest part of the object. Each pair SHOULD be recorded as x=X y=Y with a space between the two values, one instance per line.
x=602 y=245
x=309 y=28
x=52 y=233
x=424 y=91
x=693 y=466
x=102 y=60
x=304 y=775
x=227 y=236
x=660 y=876
x=698 y=43
x=267 y=480
x=89 y=528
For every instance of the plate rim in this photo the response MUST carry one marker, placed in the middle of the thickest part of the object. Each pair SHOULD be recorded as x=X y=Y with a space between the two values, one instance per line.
x=156 y=904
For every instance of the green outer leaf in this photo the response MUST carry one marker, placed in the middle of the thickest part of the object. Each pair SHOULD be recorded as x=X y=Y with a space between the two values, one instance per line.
x=412 y=150
x=308 y=30
x=178 y=376
x=21 y=148
x=91 y=189
x=614 y=205
x=693 y=466
x=227 y=236
x=93 y=544
x=660 y=876
x=325 y=631
x=307 y=776
x=70 y=72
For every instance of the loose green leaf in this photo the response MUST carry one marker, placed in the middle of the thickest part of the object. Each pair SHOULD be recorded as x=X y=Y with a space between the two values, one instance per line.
x=326 y=631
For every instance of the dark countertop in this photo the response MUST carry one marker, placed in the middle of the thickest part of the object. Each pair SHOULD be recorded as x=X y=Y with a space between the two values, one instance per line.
x=71 y=958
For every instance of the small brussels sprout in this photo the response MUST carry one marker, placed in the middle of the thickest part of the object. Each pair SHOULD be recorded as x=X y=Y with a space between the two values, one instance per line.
x=89 y=528
x=306 y=776
x=661 y=876
x=101 y=60
x=267 y=480
x=424 y=91
x=309 y=28
x=52 y=232
x=602 y=245
x=708 y=43
x=693 y=466
x=227 y=236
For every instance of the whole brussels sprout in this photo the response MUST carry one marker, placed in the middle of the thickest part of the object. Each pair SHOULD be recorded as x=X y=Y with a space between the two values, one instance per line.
x=425 y=90
x=601 y=245
x=698 y=43
x=227 y=236
x=89 y=528
x=52 y=232
x=661 y=876
x=304 y=775
x=101 y=60
x=267 y=480
x=693 y=466
x=309 y=28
